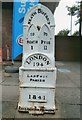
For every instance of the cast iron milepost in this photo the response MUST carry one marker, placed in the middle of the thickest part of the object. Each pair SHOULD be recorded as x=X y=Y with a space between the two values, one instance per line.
x=37 y=75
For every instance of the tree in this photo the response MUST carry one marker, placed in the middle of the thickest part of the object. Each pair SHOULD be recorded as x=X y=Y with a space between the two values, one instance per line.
x=79 y=15
x=63 y=32
x=72 y=12
x=80 y=18
x=81 y=11
x=76 y=33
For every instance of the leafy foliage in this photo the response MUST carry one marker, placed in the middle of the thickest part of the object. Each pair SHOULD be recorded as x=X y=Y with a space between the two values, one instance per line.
x=76 y=33
x=78 y=12
x=63 y=32
x=81 y=10
x=72 y=10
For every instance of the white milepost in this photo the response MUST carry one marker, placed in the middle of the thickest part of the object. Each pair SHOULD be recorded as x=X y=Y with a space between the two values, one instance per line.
x=37 y=75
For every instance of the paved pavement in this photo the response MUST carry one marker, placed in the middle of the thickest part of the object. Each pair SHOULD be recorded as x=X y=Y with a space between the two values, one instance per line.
x=67 y=93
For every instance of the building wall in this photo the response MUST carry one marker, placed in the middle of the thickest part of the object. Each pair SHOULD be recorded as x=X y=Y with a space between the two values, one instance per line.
x=6 y=31
x=0 y=24
x=67 y=48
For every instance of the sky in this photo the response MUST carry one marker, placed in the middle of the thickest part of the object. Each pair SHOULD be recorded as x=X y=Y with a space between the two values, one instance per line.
x=62 y=20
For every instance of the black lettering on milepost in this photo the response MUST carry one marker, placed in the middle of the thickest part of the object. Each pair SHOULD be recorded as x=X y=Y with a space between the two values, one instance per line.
x=35 y=57
x=45 y=47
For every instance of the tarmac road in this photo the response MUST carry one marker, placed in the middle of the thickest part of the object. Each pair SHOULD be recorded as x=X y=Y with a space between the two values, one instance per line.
x=67 y=93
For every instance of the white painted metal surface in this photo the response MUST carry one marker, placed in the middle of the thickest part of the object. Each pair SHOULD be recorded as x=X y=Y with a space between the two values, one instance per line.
x=37 y=75
x=38 y=60
x=35 y=100
x=39 y=30
x=38 y=78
